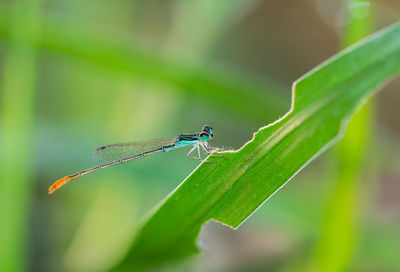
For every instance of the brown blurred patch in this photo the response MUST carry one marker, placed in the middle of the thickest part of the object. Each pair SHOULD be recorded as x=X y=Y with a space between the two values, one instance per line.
x=282 y=39
x=388 y=196
x=388 y=106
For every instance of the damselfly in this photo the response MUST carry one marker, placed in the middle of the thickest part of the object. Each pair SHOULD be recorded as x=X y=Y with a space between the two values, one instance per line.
x=118 y=153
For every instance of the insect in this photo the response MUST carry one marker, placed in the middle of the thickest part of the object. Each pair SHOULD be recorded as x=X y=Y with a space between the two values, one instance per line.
x=118 y=153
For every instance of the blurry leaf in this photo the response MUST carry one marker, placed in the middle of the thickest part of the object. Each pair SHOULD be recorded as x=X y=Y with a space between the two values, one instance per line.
x=341 y=214
x=104 y=227
x=200 y=33
x=243 y=95
x=230 y=192
x=16 y=127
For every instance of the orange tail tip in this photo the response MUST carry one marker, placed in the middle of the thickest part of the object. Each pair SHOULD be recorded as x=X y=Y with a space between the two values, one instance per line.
x=58 y=184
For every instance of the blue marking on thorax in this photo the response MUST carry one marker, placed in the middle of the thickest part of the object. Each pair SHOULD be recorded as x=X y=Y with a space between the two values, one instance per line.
x=204 y=138
x=184 y=143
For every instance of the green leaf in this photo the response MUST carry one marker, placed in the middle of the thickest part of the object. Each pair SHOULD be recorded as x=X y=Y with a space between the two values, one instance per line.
x=323 y=101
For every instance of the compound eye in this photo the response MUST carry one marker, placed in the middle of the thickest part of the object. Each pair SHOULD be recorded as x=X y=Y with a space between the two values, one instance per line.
x=203 y=134
x=206 y=128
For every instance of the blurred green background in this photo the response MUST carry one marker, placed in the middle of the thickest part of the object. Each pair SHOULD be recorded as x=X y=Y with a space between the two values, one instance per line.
x=76 y=75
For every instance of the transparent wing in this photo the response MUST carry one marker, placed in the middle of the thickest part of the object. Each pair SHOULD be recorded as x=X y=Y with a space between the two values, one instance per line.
x=114 y=152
